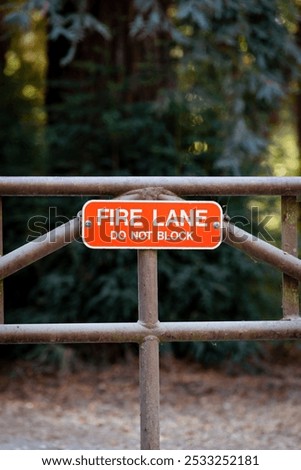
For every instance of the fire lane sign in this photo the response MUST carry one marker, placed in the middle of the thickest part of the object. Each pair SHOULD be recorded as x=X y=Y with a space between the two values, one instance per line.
x=116 y=224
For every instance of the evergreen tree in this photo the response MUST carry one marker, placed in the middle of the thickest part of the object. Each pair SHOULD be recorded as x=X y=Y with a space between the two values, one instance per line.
x=157 y=88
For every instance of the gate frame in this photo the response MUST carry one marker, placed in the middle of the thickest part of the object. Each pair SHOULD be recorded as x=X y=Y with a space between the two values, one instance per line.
x=148 y=332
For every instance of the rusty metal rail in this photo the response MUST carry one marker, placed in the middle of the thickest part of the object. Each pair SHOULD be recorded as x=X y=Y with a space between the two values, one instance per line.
x=148 y=332
x=39 y=248
x=164 y=332
x=262 y=251
x=182 y=185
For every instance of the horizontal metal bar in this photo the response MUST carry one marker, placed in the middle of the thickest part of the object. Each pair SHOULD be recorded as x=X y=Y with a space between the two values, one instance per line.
x=182 y=185
x=137 y=333
x=39 y=248
x=261 y=250
x=230 y=331
x=73 y=333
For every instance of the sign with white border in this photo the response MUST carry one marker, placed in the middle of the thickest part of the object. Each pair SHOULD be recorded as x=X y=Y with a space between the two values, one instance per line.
x=117 y=224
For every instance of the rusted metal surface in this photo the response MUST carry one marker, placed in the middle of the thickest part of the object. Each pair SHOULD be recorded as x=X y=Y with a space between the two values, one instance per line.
x=261 y=250
x=230 y=331
x=149 y=393
x=164 y=332
x=149 y=350
x=39 y=248
x=186 y=185
x=150 y=193
x=290 y=286
x=148 y=288
x=73 y=333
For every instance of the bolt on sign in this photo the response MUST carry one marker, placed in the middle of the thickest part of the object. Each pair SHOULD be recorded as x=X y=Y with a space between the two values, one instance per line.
x=152 y=224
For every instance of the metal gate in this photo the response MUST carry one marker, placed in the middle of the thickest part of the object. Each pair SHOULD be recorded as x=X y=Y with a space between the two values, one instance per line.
x=148 y=331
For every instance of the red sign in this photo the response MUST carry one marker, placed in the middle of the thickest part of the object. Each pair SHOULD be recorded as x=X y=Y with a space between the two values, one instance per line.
x=152 y=224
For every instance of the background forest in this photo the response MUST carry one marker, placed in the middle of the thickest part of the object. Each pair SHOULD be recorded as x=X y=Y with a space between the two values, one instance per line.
x=153 y=87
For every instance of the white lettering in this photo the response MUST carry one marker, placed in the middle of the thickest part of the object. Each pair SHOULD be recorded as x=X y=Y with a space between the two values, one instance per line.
x=156 y=222
x=199 y=218
x=105 y=214
x=118 y=235
x=117 y=216
x=134 y=216
x=122 y=216
x=188 y=218
x=141 y=235
x=174 y=236
x=172 y=218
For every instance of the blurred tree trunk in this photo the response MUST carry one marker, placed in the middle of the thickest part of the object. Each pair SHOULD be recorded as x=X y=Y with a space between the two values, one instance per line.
x=140 y=66
x=114 y=73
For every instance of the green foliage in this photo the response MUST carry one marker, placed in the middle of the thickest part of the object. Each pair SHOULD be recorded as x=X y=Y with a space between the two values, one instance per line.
x=250 y=57
x=120 y=138
x=72 y=26
x=236 y=59
x=230 y=63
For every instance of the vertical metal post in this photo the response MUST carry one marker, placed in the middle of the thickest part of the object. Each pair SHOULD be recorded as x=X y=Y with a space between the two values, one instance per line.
x=1 y=253
x=149 y=351
x=290 y=286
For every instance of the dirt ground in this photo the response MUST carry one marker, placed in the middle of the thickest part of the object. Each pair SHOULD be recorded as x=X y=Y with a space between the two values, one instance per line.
x=200 y=408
